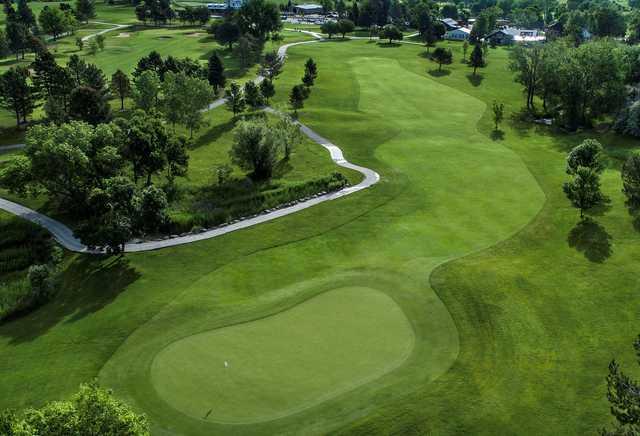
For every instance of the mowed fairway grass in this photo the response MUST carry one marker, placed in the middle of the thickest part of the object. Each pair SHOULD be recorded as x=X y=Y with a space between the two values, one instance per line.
x=514 y=314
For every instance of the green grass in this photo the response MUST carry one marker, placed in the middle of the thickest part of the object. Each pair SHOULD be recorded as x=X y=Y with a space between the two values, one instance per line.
x=462 y=219
x=285 y=363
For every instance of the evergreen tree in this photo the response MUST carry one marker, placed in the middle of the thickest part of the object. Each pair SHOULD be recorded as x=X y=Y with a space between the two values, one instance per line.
x=215 y=72
x=476 y=59
x=25 y=14
x=235 y=99
x=252 y=95
x=267 y=89
x=16 y=94
x=120 y=86
x=85 y=9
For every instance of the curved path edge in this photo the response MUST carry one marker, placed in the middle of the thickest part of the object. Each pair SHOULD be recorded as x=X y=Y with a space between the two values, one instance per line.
x=65 y=237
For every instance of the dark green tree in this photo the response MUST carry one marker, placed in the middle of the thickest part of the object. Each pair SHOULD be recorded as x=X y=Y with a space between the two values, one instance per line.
x=267 y=90
x=85 y=10
x=235 y=99
x=16 y=94
x=589 y=154
x=476 y=60
x=90 y=105
x=226 y=32
x=215 y=72
x=442 y=56
x=252 y=95
x=631 y=180
x=345 y=26
x=583 y=190
x=120 y=86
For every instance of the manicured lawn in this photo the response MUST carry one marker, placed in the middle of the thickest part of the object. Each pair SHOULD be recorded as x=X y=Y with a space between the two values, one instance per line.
x=291 y=361
x=514 y=313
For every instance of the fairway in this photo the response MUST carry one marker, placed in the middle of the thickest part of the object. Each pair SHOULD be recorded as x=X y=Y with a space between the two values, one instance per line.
x=284 y=363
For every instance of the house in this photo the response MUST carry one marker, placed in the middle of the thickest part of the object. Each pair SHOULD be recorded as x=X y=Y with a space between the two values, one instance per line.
x=307 y=9
x=509 y=35
x=459 y=34
x=449 y=23
x=557 y=29
x=227 y=5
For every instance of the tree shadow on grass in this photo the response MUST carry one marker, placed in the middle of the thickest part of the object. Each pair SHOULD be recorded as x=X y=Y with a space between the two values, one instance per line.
x=497 y=135
x=388 y=44
x=592 y=239
x=439 y=73
x=213 y=134
x=88 y=285
x=475 y=79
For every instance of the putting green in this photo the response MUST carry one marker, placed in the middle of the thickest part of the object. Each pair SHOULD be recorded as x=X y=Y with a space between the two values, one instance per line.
x=285 y=363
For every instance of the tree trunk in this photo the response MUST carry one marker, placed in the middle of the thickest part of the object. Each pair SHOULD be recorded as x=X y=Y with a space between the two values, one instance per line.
x=122 y=102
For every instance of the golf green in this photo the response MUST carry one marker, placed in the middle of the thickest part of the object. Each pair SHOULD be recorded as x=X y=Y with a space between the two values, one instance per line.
x=287 y=362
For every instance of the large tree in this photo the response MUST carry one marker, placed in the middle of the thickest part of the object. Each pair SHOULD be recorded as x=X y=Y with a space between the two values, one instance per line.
x=235 y=99
x=185 y=98
x=85 y=9
x=226 y=32
x=91 y=411
x=16 y=94
x=255 y=148
x=146 y=88
x=476 y=60
x=526 y=62
x=623 y=394
x=589 y=154
x=90 y=105
x=391 y=33
x=259 y=18
x=55 y=21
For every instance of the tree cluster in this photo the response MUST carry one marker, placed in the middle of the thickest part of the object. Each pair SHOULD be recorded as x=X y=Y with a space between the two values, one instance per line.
x=193 y=15
x=575 y=84
x=155 y=11
x=299 y=93
x=91 y=411
x=92 y=172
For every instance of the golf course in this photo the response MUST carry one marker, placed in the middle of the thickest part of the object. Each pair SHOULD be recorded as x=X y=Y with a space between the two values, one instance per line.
x=459 y=294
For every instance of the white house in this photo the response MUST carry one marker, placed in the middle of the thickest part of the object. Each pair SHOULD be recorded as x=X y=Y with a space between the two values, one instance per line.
x=228 y=4
x=459 y=34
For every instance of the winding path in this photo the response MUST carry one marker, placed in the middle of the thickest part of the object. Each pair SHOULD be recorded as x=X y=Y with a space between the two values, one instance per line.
x=64 y=235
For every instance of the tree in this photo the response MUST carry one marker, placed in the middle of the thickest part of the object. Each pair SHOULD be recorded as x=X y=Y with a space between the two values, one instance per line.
x=215 y=72
x=185 y=98
x=345 y=26
x=299 y=93
x=583 y=190
x=152 y=206
x=330 y=28
x=465 y=48
x=288 y=135
x=16 y=94
x=90 y=105
x=589 y=154
x=631 y=180
x=25 y=14
x=177 y=158
x=623 y=394
x=100 y=41
x=633 y=28
x=271 y=65
x=85 y=9
x=608 y=20
x=391 y=33
x=442 y=56
x=449 y=10
x=259 y=18
x=374 y=31
x=226 y=33
x=498 y=114
x=255 y=148
x=120 y=86
x=145 y=90
x=235 y=99
x=311 y=68
x=79 y=43
x=145 y=142
x=92 y=410
x=252 y=95
x=476 y=60
x=54 y=21
x=526 y=62
x=246 y=50
x=267 y=90
x=44 y=67
x=4 y=45
x=18 y=36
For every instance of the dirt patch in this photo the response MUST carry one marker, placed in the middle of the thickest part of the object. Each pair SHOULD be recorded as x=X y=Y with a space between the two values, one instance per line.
x=195 y=34
x=123 y=35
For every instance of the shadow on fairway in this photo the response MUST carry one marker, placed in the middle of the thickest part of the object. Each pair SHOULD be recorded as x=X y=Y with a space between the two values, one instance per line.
x=592 y=239
x=213 y=134
x=439 y=73
x=388 y=44
x=475 y=79
x=497 y=135
x=89 y=284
